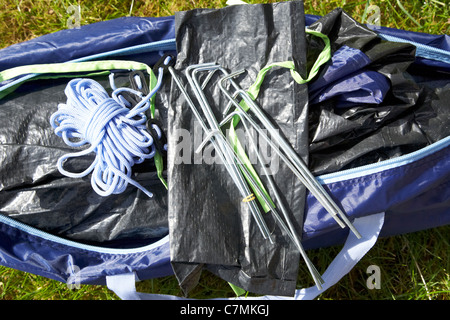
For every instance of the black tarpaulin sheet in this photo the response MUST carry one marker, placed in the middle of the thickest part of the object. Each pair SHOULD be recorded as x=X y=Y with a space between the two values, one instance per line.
x=401 y=109
x=210 y=227
x=35 y=193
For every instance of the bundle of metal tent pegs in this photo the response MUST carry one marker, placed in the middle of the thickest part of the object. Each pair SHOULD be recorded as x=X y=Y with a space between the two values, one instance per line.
x=251 y=117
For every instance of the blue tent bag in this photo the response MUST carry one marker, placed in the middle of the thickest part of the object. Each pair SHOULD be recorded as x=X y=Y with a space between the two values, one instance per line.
x=403 y=194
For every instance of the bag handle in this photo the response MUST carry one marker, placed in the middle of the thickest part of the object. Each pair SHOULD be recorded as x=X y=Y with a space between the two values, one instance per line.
x=123 y=285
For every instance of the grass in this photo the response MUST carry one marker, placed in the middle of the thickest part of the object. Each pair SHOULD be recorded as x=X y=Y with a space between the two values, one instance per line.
x=22 y=20
x=413 y=266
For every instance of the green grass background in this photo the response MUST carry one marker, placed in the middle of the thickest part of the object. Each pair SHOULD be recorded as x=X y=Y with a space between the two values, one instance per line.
x=414 y=266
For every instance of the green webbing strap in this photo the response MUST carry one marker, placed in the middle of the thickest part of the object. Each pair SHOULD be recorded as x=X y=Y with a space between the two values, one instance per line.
x=253 y=92
x=69 y=69
x=72 y=67
x=246 y=162
x=323 y=58
x=158 y=158
x=5 y=92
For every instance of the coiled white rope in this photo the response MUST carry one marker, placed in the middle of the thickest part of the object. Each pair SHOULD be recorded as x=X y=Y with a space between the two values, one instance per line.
x=116 y=134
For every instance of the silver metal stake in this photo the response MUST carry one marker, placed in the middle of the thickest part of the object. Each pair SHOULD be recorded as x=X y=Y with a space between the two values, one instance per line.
x=299 y=166
x=230 y=165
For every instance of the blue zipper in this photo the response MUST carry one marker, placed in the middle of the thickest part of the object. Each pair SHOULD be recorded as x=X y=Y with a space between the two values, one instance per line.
x=422 y=50
x=384 y=165
x=162 y=45
x=47 y=236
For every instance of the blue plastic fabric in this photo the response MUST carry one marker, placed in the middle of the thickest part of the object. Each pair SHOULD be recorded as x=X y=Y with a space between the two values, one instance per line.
x=361 y=87
x=27 y=252
x=415 y=197
x=344 y=62
x=70 y=44
x=355 y=85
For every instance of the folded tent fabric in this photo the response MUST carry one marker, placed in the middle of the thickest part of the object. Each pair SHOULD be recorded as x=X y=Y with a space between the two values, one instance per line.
x=371 y=102
x=435 y=99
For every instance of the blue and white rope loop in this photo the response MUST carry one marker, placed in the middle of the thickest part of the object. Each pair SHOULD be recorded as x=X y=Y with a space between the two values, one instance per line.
x=116 y=133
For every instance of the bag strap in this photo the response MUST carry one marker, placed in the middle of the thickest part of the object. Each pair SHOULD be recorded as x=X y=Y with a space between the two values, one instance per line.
x=123 y=285
x=65 y=69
